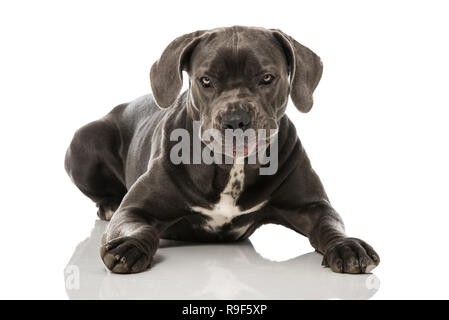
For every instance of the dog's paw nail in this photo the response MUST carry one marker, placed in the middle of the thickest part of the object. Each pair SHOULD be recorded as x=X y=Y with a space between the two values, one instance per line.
x=127 y=255
x=370 y=268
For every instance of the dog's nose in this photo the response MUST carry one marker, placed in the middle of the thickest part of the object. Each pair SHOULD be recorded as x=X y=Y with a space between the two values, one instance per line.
x=238 y=119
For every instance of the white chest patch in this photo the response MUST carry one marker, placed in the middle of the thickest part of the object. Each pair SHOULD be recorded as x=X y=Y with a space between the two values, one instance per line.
x=226 y=209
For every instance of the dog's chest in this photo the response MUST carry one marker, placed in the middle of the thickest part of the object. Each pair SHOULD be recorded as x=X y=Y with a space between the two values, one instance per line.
x=226 y=209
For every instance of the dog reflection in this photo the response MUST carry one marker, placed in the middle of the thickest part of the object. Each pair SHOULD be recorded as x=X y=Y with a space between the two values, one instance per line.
x=210 y=271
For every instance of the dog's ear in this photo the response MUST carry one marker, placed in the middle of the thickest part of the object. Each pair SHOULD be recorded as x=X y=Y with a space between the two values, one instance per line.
x=305 y=70
x=166 y=73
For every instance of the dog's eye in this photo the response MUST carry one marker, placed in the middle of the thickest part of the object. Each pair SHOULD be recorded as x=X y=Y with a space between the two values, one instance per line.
x=205 y=82
x=267 y=79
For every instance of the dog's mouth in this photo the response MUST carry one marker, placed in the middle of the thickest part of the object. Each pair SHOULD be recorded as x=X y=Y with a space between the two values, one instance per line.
x=238 y=149
x=238 y=143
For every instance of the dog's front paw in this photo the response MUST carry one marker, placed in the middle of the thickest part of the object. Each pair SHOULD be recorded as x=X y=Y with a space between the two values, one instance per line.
x=350 y=255
x=126 y=255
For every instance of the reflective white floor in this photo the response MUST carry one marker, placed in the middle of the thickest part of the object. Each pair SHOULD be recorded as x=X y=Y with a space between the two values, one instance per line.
x=210 y=271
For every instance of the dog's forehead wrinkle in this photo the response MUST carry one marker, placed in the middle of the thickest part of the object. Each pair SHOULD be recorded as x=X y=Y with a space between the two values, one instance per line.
x=236 y=52
x=230 y=65
x=233 y=52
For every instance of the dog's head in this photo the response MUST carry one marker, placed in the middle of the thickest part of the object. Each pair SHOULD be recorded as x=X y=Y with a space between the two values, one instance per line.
x=240 y=77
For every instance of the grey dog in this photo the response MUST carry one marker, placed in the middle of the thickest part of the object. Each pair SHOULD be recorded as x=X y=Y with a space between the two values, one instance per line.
x=239 y=78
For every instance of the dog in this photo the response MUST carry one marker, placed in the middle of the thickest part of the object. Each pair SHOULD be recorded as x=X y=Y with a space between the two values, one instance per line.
x=240 y=78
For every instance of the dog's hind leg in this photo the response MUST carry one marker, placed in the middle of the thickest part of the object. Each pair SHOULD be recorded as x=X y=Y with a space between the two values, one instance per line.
x=94 y=164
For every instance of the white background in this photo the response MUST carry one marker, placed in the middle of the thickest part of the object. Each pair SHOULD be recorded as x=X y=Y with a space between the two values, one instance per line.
x=377 y=134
